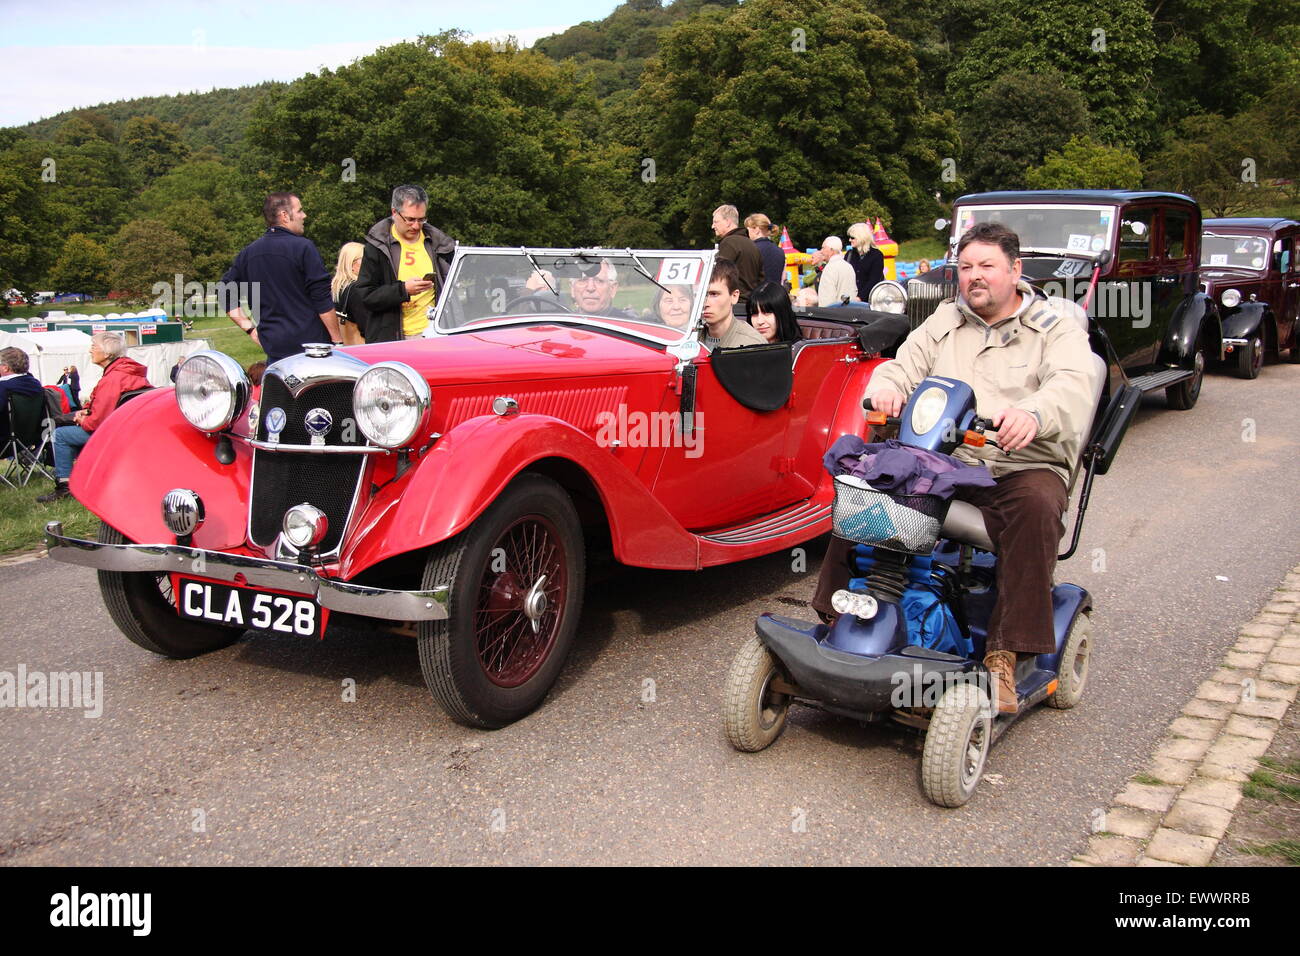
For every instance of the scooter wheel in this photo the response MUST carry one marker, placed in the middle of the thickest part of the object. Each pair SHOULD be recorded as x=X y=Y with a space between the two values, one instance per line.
x=957 y=745
x=1073 y=672
x=755 y=713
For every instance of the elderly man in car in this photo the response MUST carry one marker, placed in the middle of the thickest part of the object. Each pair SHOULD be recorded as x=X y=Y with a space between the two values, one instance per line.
x=121 y=374
x=1033 y=374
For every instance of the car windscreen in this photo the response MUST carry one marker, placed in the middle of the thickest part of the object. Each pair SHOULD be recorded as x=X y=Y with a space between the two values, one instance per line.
x=1234 y=252
x=1054 y=228
x=656 y=294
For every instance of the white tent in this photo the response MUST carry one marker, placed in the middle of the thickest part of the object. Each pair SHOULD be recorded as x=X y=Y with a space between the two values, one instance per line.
x=51 y=352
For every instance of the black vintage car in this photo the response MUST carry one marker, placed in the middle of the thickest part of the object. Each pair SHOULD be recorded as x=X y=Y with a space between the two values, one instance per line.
x=1130 y=258
x=1251 y=269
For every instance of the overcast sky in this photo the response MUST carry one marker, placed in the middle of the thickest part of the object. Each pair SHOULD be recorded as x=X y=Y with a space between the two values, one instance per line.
x=64 y=54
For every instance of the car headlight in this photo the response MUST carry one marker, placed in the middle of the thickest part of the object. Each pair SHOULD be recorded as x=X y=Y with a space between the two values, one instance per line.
x=927 y=409
x=1231 y=298
x=391 y=401
x=211 y=390
x=888 y=296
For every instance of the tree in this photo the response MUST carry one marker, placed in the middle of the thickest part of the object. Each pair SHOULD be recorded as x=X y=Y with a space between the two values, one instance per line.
x=1225 y=163
x=1104 y=49
x=210 y=243
x=27 y=220
x=810 y=114
x=152 y=147
x=500 y=139
x=219 y=187
x=1036 y=114
x=1086 y=164
x=146 y=252
x=82 y=266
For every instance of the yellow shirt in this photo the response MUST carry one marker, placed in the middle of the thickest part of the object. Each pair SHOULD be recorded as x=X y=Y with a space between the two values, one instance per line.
x=414 y=264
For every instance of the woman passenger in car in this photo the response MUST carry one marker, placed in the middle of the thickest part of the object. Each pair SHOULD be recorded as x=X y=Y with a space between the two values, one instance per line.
x=771 y=315
x=673 y=305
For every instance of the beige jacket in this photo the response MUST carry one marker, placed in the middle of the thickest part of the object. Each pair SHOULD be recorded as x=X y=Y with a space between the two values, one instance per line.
x=1038 y=360
x=838 y=280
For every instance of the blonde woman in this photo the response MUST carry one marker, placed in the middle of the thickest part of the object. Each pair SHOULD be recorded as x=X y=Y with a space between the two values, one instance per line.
x=868 y=262
x=352 y=312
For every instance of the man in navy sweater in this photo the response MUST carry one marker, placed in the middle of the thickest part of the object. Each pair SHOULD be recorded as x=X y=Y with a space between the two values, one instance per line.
x=15 y=379
x=289 y=281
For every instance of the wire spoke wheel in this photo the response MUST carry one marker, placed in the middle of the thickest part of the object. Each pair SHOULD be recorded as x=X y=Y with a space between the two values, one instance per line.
x=515 y=578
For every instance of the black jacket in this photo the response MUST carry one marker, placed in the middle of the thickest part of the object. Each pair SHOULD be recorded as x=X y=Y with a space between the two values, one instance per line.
x=869 y=269
x=377 y=282
x=351 y=307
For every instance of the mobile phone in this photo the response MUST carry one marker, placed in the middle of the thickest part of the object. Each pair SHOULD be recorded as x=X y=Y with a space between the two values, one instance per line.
x=430 y=277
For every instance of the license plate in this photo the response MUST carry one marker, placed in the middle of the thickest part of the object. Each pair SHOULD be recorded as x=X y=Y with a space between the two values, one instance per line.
x=242 y=607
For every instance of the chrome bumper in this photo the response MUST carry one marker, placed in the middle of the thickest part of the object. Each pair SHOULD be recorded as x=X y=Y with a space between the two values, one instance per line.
x=257 y=572
x=1242 y=342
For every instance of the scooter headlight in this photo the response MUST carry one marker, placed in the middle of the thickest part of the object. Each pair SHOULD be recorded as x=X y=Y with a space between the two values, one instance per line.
x=850 y=602
x=211 y=390
x=928 y=409
x=888 y=296
x=391 y=401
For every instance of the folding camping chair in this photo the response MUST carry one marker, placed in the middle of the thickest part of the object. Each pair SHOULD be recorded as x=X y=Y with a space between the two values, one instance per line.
x=30 y=449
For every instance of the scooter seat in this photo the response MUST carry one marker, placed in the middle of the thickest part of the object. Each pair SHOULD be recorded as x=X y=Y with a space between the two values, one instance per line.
x=965 y=525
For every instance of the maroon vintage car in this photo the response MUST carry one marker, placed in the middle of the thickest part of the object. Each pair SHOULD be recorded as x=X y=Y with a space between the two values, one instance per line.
x=1251 y=267
x=451 y=488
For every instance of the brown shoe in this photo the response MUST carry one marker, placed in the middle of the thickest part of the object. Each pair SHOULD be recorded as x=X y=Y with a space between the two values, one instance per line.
x=60 y=492
x=1002 y=667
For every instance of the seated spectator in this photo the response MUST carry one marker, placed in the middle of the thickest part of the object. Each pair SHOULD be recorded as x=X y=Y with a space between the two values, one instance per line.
x=673 y=306
x=923 y=267
x=771 y=315
x=807 y=298
x=121 y=374
x=721 y=327
x=15 y=379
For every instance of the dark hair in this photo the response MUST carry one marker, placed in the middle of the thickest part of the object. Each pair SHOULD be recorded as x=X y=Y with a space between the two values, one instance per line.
x=275 y=204
x=254 y=372
x=724 y=270
x=994 y=233
x=773 y=299
x=16 y=359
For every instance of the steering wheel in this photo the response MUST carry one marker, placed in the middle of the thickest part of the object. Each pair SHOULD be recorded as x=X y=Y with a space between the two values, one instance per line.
x=541 y=303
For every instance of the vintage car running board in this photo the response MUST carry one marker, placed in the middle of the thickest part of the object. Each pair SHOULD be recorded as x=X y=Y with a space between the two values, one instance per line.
x=1155 y=380
x=806 y=514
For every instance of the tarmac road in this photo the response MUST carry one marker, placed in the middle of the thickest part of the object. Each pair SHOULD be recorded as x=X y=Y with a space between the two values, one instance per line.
x=251 y=754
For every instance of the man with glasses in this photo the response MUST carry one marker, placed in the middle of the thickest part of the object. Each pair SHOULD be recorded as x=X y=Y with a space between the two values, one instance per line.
x=293 y=288
x=403 y=268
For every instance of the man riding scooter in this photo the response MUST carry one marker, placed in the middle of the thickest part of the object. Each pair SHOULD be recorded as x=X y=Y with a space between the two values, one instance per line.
x=1032 y=371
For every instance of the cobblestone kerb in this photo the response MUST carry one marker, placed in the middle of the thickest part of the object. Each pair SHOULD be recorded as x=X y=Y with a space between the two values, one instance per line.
x=1175 y=812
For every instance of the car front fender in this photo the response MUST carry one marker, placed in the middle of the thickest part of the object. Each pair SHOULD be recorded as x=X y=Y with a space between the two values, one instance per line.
x=468 y=468
x=1244 y=320
x=145 y=449
x=1196 y=319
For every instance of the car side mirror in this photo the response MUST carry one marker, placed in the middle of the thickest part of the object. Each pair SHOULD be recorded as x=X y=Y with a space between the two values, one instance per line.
x=1103 y=258
x=940 y=225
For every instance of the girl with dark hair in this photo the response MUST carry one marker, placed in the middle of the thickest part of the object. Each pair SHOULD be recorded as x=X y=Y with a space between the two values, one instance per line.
x=771 y=315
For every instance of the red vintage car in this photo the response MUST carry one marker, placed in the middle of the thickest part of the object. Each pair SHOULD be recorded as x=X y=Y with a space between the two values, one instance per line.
x=1251 y=268
x=451 y=488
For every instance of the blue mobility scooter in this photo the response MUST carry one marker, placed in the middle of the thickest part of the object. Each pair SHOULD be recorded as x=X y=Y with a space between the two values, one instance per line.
x=907 y=643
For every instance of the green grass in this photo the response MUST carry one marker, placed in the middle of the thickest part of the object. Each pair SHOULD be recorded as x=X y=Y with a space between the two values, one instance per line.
x=72 y=308
x=22 y=520
x=1147 y=779
x=1265 y=785
x=1289 y=850
x=915 y=249
x=225 y=337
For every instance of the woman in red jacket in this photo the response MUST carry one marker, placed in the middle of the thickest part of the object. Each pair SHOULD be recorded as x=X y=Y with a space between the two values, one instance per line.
x=121 y=374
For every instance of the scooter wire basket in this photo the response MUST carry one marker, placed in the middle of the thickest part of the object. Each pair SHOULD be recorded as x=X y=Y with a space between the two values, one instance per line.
x=906 y=523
